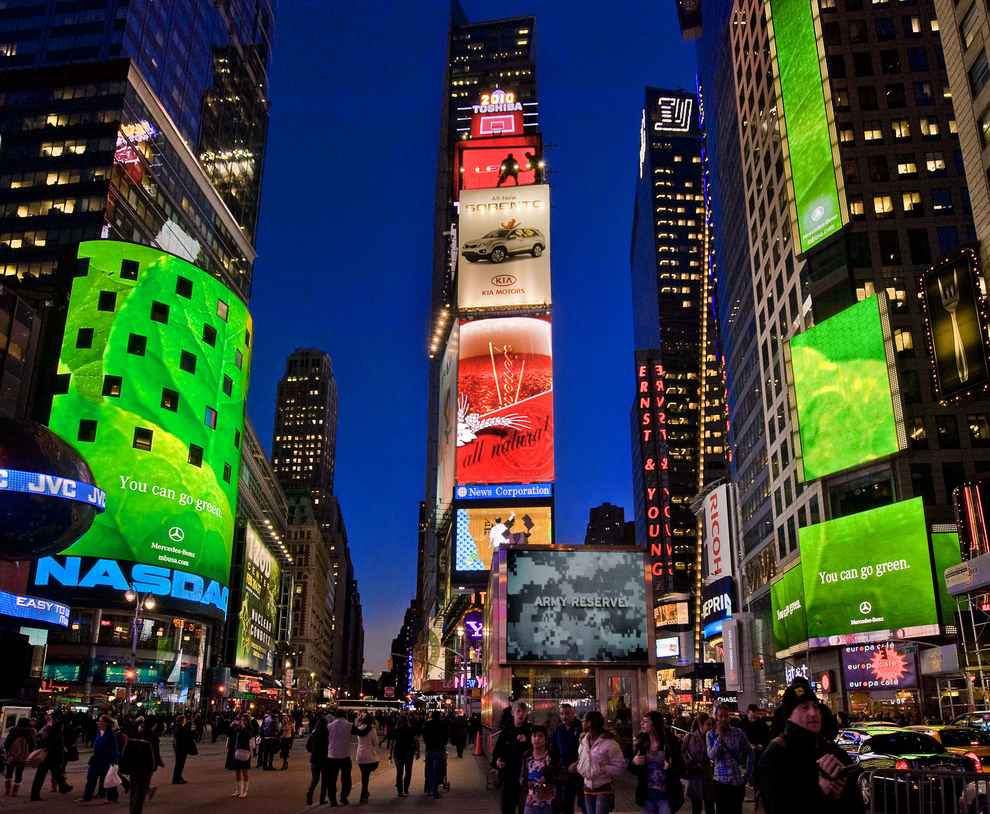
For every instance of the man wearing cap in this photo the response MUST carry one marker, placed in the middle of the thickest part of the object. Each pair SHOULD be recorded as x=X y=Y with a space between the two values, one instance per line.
x=801 y=765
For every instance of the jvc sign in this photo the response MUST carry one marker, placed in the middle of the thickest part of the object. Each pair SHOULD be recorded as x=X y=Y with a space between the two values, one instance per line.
x=716 y=542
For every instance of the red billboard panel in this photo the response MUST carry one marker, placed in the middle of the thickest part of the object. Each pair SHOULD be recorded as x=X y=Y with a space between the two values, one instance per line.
x=501 y=123
x=505 y=401
x=487 y=163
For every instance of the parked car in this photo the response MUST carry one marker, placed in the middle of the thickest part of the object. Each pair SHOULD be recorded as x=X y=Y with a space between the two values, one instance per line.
x=499 y=244
x=908 y=769
x=960 y=740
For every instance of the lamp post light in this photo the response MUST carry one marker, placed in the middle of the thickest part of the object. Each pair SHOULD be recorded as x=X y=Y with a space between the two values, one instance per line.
x=147 y=601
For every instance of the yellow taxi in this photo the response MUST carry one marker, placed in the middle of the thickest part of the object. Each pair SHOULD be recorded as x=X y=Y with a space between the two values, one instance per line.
x=963 y=740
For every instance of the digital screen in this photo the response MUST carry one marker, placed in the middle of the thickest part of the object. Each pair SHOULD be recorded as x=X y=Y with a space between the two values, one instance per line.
x=852 y=588
x=497 y=162
x=575 y=606
x=504 y=251
x=716 y=605
x=497 y=123
x=482 y=531
x=672 y=614
x=668 y=648
x=259 y=606
x=30 y=607
x=505 y=401
x=948 y=553
x=447 y=429
x=956 y=327
x=790 y=616
x=878 y=666
x=35 y=483
x=156 y=352
x=842 y=388
x=804 y=121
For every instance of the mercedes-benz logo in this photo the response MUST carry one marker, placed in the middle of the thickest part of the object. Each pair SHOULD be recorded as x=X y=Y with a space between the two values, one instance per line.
x=865 y=608
x=176 y=535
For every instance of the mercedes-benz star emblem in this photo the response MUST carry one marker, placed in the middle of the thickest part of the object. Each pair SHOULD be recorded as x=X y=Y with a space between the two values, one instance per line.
x=865 y=608
x=175 y=534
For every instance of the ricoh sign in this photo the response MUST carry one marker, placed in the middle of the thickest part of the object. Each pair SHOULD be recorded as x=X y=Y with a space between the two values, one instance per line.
x=716 y=530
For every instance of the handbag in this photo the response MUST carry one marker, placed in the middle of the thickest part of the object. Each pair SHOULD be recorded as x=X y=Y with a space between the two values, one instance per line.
x=71 y=753
x=193 y=749
x=242 y=754
x=36 y=758
x=112 y=779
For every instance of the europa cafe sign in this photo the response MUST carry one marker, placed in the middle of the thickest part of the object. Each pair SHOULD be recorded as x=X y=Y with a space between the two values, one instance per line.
x=652 y=423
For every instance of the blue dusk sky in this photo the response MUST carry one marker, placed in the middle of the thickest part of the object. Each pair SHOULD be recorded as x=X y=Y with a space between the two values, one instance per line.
x=345 y=247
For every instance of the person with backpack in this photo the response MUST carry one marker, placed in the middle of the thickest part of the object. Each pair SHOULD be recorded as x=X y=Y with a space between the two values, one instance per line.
x=20 y=743
x=139 y=760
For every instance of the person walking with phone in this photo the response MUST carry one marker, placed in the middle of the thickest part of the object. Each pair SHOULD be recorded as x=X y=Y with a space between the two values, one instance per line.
x=732 y=763
x=802 y=765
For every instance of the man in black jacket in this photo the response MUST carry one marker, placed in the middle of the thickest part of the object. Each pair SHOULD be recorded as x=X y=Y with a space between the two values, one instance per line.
x=507 y=756
x=801 y=767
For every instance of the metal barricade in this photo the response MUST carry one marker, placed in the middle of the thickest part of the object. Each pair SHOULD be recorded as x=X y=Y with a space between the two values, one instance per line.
x=901 y=791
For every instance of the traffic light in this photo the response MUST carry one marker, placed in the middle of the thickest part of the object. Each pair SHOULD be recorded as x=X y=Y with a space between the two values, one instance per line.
x=130 y=675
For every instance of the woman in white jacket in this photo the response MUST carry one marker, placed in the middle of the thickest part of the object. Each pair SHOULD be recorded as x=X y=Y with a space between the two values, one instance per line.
x=367 y=758
x=599 y=761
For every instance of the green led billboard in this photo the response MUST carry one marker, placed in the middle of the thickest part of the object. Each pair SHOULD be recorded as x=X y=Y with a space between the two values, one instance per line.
x=867 y=572
x=259 y=606
x=790 y=616
x=804 y=123
x=945 y=546
x=845 y=409
x=154 y=374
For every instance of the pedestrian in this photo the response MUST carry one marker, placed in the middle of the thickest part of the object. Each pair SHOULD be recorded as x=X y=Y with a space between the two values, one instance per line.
x=698 y=766
x=758 y=733
x=20 y=742
x=658 y=766
x=139 y=760
x=541 y=775
x=54 y=761
x=599 y=762
x=239 y=737
x=183 y=744
x=474 y=728
x=404 y=749
x=435 y=743
x=732 y=762
x=565 y=740
x=510 y=746
x=104 y=755
x=316 y=745
x=339 y=757
x=271 y=729
x=367 y=758
x=459 y=732
x=288 y=735
x=801 y=764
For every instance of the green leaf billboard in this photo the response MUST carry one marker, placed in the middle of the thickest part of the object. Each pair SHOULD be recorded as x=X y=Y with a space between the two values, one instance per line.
x=818 y=200
x=842 y=389
x=154 y=361
x=869 y=572
x=790 y=614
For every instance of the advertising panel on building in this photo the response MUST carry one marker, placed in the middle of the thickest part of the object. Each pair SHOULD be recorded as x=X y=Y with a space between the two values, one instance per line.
x=956 y=310
x=154 y=374
x=672 y=615
x=504 y=247
x=489 y=163
x=716 y=534
x=479 y=532
x=854 y=590
x=575 y=606
x=790 y=617
x=447 y=429
x=505 y=401
x=818 y=201
x=848 y=410
x=496 y=113
x=716 y=605
x=259 y=606
x=878 y=666
x=673 y=114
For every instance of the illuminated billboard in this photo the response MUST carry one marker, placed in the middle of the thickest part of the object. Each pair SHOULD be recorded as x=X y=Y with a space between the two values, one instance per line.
x=853 y=589
x=716 y=605
x=504 y=247
x=957 y=327
x=489 y=163
x=790 y=616
x=259 y=606
x=878 y=666
x=498 y=113
x=818 y=205
x=844 y=387
x=154 y=374
x=671 y=614
x=447 y=429
x=575 y=606
x=479 y=532
x=505 y=401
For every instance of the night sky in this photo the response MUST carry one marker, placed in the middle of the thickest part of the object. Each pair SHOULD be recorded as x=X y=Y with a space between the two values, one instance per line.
x=345 y=247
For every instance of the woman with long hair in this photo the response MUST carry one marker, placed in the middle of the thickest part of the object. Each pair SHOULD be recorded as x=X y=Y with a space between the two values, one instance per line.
x=599 y=762
x=318 y=745
x=405 y=748
x=658 y=767
x=104 y=755
x=288 y=735
x=698 y=766
x=367 y=758
x=239 y=737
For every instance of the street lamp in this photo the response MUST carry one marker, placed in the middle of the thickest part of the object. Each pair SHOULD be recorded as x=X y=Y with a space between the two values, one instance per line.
x=147 y=601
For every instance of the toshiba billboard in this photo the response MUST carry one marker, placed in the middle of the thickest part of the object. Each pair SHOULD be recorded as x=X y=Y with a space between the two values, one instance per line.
x=718 y=562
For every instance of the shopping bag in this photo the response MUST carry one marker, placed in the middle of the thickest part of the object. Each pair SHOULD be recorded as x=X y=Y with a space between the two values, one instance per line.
x=112 y=779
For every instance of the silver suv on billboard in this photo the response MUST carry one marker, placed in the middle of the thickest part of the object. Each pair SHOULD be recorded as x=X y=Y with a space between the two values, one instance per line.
x=499 y=244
